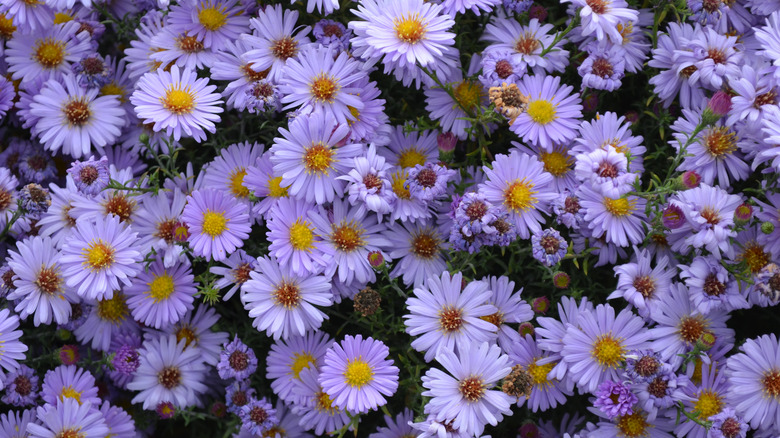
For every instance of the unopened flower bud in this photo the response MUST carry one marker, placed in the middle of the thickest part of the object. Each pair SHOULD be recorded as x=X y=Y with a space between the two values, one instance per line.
x=540 y=305
x=718 y=106
x=376 y=259
x=690 y=179
x=767 y=227
x=526 y=328
x=561 y=280
x=69 y=354
x=447 y=142
x=537 y=11
x=529 y=430
x=743 y=213
x=673 y=217
x=166 y=410
x=706 y=340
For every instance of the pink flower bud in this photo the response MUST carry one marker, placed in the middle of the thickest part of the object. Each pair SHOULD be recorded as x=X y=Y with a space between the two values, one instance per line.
x=541 y=305
x=720 y=104
x=537 y=11
x=69 y=354
x=447 y=142
x=691 y=179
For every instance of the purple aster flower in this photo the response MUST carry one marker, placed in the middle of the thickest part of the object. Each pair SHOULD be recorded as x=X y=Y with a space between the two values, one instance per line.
x=309 y=157
x=158 y=222
x=620 y=220
x=75 y=119
x=181 y=49
x=453 y=109
x=464 y=395
x=13 y=424
x=643 y=365
x=90 y=176
x=711 y=286
x=288 y=358
x=755 y=88
x=92 y=71
x=709 y=213
x=69 y=382
x=106 y=319
x=418 y=250
x=680 y=326
x=235 y=274
x=615 y=399
x=552 y=115
x=368 y=184
x=475 y=222
x=34 y=199
x=525 y=43
x=498 y=67
x=228 y=170
x=567 y=208
x=610 y=130
x=446 y=315
x=673 y=80
x=98 y=256
x=177 y=102
x=231 y=66
x=39 y=283
x=604 y=67
x=754 y=383
x=595 y=349
x=315 y=408
x=356 y=374
x=293 y=239
x=281 y=300
x=520 y=185
x=727 y=424
x=405 y=32
x=169 y=372
x=511 y=309
x=713 y=153
x=197 y=327
x=218 y=223
x=275 y=39
x=36 y=165
x=659 y=393
x=257 y=416
x=517 y=6
x=68 y=418
x=333 y=34
x=12 y=349
x=706 y=399
x=713 y=56
x=602 y=17
x=546 y=392
x=548 y=247
x=126 y=358
x=47 y=53
x=315 y=82
x=160 y=296
x=351 y=236
x=238 y=395
x=236 y=361
x=397 y=427
x=214 y=22
x=642 y=285
x=429 y=182
x=21 y=387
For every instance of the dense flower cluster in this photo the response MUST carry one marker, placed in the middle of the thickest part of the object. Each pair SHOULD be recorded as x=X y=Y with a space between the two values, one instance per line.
x=479 y=217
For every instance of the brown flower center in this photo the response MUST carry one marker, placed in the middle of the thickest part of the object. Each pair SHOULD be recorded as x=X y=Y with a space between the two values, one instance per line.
x=450 y=319
x=238 y=360
x=644 y=285
x=77 y=112
x=602 y=67
x=713 y=287
x=169 y=377
x=284 y=48
x=472 y=388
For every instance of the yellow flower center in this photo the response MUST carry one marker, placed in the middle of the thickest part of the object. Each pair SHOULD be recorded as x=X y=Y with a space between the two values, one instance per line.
x=608 y=351
x=50 y=53
x=179 y=101
x=620 y=206
x=214 y=223
x=410 y=158
x=70 y=392
x=114 y=89
x=211 y=17
x=519 y=196
x=541 y=111
x=301 y=235
x=237 y=183
x=347 y=237
x=754 y=256
x=539 y=372
x=324 y=403
x=358 y=373
x=355 y=115
x=556 y=162
x=720 y=141
x=318 y=158
x=185 y=332
x=98 y=255
x=410 y=29
x=399 y=185
x=275 y=189
x=468 y=94
x=7 y=27
x=325 y=87
x=301 y=361
x=708 y=404
x=71 y=433
x=161 y=287
x=114 y=310
x=61 y=17
x=633 y=425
